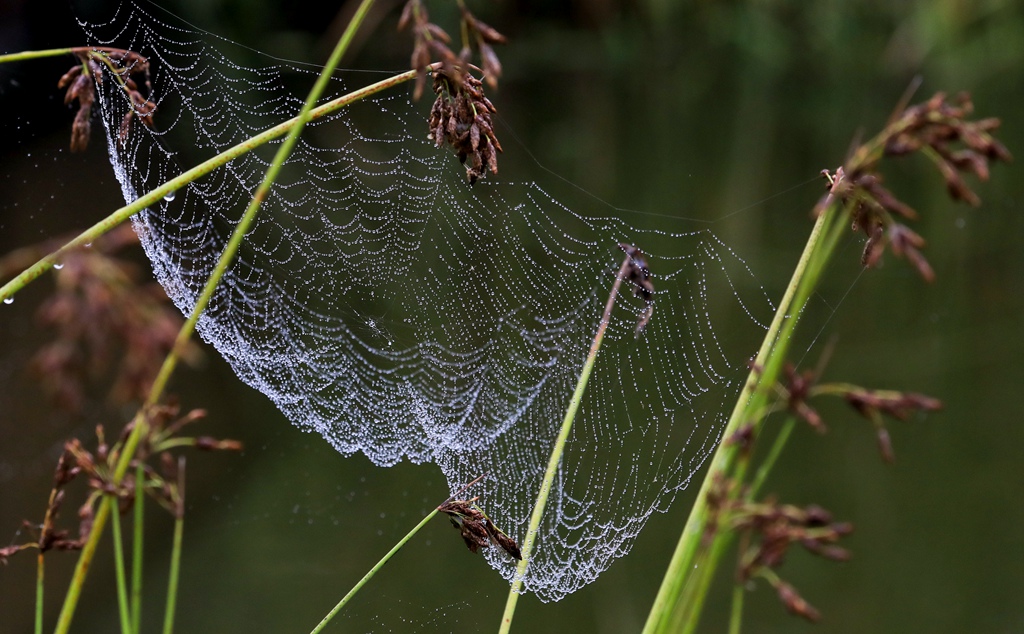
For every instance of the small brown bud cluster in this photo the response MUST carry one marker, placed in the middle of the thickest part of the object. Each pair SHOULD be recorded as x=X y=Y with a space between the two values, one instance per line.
x=938 y=128
x=81 y=81
x=430 y=43
x=476 y=529
x=98 y=467
x=798 y=387
x=461 y=114
x=461 y=118
x=770 y=529
x=872 y=404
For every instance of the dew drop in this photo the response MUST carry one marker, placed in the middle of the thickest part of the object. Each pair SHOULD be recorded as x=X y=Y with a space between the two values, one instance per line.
x=58 y=266
x=8 y=300
x=170 y=196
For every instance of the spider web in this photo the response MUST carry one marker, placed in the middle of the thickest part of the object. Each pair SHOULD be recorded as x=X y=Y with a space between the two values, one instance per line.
x=383 y=303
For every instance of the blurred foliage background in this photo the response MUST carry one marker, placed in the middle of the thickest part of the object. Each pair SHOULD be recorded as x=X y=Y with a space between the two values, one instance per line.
x=719 y=111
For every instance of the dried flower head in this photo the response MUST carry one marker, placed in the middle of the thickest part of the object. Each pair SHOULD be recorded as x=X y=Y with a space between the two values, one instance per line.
x=941 y=130
x=769 y=529
x=98 y=467
x=637 y=274
x=461 y=118
x=461 y=114
x=81 y=81
x=476 y=529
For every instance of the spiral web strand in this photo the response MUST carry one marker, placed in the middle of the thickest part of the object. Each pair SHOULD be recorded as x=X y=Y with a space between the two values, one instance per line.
x=383 y=303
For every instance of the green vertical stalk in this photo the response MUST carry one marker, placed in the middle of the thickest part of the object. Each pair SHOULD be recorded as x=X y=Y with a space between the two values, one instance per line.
x=179 y=530
x=556 y=454
x=122 y=586
x=140 y=424
x=40 y=570
x=172 y=581
x=140 y=496
x=736 y=612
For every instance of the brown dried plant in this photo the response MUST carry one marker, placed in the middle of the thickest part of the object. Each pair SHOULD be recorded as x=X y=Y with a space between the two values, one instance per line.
x=798 y=388
x=97 y=468
x=461 y=114
x=941 y=130
x=105 y=320
x=82 y=79
x=639 y=276
x=476 y=529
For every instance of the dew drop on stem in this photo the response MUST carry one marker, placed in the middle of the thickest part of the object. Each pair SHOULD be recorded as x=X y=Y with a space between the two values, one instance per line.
x=8 y=300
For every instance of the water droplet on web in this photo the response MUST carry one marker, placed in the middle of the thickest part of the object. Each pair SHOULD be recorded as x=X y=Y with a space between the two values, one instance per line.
x=170 y=196
x=8 y=300
x=58 y=266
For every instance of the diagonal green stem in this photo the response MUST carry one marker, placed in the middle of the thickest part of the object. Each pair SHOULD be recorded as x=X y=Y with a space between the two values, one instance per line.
x=294 y=128
x=670 y=613
x=556 y=454
x=156 y=195
x=387 y=557
x=369 y=575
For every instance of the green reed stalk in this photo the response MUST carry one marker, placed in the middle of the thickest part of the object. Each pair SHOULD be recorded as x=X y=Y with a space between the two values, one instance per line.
x=172 y=581
x=140 y=497
x=40 y=570
x=556 y=454
x=26 y=55
x=294 y=128
x=680 y=596
x=122 y=585
x=179 y=530
x=373 y=571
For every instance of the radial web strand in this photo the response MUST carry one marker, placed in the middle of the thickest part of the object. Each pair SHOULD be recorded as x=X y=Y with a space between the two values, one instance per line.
x=383 y=303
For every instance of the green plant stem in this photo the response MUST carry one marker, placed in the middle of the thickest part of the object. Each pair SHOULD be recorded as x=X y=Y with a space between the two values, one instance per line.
x=688 y=609
x=172 y=580
x=40 y=570
x=669 y=613
x=140 y=497
x=179 y=531
x=736 y=613
x=294 y=128
x=369 y=575
x=122 y=586
x=773 y=455
x=556 y=454
x=26 y=55
x=156 y=195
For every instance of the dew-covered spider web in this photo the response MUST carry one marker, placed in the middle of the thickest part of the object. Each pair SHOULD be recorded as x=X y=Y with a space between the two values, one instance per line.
x=384 y=303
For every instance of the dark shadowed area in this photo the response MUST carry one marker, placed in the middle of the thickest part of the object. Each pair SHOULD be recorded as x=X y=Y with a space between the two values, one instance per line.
x=656 y=112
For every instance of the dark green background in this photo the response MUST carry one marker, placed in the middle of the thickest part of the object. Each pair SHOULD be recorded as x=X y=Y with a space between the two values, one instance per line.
x=722 y=111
